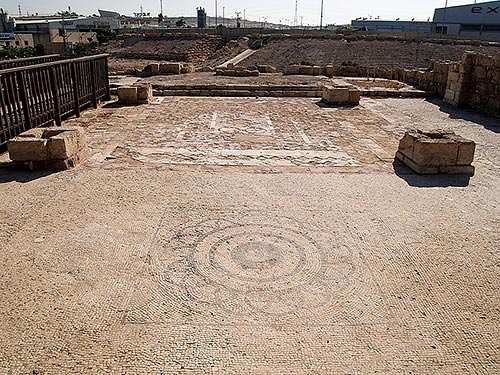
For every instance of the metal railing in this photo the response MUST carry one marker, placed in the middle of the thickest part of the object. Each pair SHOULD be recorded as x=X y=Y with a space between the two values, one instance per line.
x=16 y=63
x=36 y=95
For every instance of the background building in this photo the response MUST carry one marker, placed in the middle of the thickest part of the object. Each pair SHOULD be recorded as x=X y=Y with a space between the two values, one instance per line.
x=393 y=26
x=471 y=19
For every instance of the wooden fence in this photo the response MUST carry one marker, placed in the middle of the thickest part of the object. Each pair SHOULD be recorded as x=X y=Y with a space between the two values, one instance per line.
x=37 y=95
x=8 y=64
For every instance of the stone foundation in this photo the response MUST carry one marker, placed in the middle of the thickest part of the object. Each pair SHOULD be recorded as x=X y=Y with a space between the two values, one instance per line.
x=48 y=148
x=135 y=95
x=341 y=95
x=437 y=152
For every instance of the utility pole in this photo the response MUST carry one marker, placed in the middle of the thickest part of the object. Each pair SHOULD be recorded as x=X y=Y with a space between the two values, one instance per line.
x=321 y=20
x=19 y=8
x=296 y=19
x=238 y=19
x=223 y=15
x=444 y=15
x=162 y=23
x=216 y=19
x=244 y=18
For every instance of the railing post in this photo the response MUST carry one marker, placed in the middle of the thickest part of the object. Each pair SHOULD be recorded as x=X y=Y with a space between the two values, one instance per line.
x=93 y=83
x=4 y=122
x=23 y=95
x=76 y=89
x=106 y=69
x=55 y=93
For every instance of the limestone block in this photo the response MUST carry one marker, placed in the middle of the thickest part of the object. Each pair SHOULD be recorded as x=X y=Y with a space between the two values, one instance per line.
x=77 y=132
x=465 y=69
x=207 y=69
x=32 y=133
x=292 y=69
x=453 y=76
x=455 y=86
x=144 y=93
x=152 y=69
x=127 y=95
x=469 y=57
x=266 y=69
x=27 y=149
x=407 y=145
x=230 y=66
x=330 y=70
x=466 y=150
x=456 y=169
x=63 y=145
x=449 y=96
x=335 y=95
x=170 y=68
x=436 y=152
x=354 y=96
x=430 y=151
x=306 y=70
x=318 y=70
x=188 y=68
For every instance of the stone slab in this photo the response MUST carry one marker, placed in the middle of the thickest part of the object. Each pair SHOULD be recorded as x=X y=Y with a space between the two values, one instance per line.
x=27 y=148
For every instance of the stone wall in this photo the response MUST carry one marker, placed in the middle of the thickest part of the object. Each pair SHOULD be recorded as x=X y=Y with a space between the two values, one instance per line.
x=475 y=83
x=433 y=79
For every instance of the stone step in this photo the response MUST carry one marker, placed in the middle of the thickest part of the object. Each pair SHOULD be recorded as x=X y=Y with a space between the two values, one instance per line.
x=238 y=92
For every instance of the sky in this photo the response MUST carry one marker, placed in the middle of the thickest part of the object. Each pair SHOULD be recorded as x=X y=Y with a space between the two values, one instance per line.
x=276 y=11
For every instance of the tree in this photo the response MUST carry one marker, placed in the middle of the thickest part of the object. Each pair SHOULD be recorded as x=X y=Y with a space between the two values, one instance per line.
x=105 y=35
x=181 y=22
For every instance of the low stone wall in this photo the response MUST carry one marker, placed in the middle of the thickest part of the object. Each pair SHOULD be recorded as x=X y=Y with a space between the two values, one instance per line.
x=475 y=83
x=155 y=69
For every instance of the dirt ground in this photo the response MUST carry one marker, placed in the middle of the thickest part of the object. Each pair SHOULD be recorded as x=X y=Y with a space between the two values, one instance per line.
x=282 y=52
x=253 y=236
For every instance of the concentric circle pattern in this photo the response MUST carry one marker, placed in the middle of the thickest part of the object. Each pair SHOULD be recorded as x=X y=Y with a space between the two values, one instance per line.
x=247 y=268
x=254 y=258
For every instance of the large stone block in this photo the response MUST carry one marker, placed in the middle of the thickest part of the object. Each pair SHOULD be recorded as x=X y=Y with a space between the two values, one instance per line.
x=306 y=70
x=330 y=70
x=144 y=93
x=432 y=151
x=170 y=68
x=318 y=70
x=292 y=69
x=337 y=95
x=64 y=145
x=48 y=148
x=27 y=149
x=127 y=95
x=188 y=68
x=354 y=96
x=436 y=152
x=151 y=69
x=266 y=69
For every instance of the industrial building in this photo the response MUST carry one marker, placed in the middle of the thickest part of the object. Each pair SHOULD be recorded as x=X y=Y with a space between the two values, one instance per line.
x=382 y=26
x=471 y=20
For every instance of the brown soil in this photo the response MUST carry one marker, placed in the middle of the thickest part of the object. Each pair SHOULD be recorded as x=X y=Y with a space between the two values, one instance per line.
x=282 y=52
x=135 y=52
